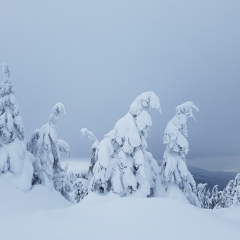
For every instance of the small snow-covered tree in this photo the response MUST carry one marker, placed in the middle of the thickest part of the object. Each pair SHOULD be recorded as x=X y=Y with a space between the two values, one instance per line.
x=90 y=135
x=202 y=194
x=223 y=199
x=79 y=189
x=14 y=156
x=174 y=169
x=123 y=164
x=46 y=147
x=231 y=191
x=215 y=196
x=236 y=198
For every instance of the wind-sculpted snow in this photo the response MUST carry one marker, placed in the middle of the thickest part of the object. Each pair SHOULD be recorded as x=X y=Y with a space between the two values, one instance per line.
x=41 y=214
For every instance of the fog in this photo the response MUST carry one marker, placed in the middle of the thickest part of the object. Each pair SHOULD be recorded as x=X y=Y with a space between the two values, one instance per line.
x=97 y=56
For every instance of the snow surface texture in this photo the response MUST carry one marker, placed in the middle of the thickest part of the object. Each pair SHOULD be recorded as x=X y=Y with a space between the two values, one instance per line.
x=46 y=147
x=174 y=169
x=42 y=214
x=123 y=164
x=13 y=154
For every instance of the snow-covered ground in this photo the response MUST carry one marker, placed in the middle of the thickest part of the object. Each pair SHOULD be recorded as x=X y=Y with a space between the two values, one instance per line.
x=41 y=214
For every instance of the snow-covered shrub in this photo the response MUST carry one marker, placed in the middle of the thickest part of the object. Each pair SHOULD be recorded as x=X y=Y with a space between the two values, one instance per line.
x=46 y=147
x=74 y=185
x=14 y=156
x=174 y=169
x=79 y=189
x=123 y=164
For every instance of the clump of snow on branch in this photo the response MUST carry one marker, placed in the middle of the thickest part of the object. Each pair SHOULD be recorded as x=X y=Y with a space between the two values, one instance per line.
x=57 y=111
x=174 y=169
x=123 y=164
x=13 y=154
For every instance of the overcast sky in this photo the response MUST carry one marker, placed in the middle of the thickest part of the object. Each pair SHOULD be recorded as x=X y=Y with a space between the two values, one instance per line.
x=97 y=56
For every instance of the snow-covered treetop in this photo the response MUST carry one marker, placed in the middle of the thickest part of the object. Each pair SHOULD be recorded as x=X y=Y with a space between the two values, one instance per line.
x=57 y=110
x=6 y=72
x=132 y=129
x=85 y=132
x=145 y=101
x=63 y=147
x=176 y=131
x=186 y=109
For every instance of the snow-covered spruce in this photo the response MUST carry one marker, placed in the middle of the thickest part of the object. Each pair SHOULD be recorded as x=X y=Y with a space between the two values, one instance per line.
x=14 y=156
x=46 y=147
x=123 y=164
x=174 y=169
x=90 y=135
x=230 y=194
x=203 y=195
x=215 y=196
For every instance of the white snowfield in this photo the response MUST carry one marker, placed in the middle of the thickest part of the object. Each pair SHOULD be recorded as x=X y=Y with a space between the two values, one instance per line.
x=41 y=214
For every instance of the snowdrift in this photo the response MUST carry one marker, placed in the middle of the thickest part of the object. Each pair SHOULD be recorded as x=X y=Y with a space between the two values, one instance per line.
x=41 y=214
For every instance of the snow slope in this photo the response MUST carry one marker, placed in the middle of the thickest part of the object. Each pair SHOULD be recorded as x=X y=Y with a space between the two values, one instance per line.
x=41 y=214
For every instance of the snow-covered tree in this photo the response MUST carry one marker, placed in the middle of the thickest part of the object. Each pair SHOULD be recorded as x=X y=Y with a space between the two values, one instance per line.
x=230 y=194
x=236 y=198
x=90 y=135
x=214 y=199
x=46 y=147
x=14 y=156
x=223 y=199
x=202 y=194
x=79 y=189
x=74 y=185
x=174 y=169
x=123 y=164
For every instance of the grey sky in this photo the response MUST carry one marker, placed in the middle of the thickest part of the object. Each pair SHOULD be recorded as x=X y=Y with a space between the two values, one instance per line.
x=97 y=56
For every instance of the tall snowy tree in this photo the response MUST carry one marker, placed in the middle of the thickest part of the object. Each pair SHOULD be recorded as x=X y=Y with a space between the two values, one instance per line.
x=123 y=164
x=46 y=147
x=14 y=156
x=174 y=169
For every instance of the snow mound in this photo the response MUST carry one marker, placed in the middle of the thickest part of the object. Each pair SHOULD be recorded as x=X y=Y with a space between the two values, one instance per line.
x=108 y=217
x=14 y=201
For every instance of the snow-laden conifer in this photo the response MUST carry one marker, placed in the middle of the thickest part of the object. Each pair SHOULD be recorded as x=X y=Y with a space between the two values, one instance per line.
x=123 y=164
x=46 y=147
x=236 y=197
x=214 y=199
x=230 y=196
x=174 y=169
x=14 y=156
x=202 y=194
x=91 y=136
